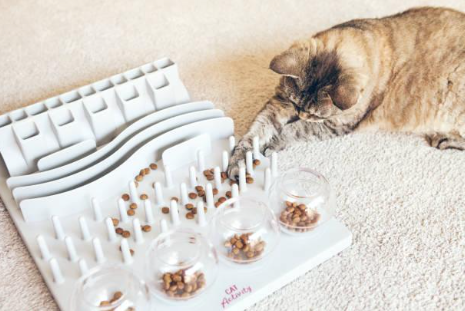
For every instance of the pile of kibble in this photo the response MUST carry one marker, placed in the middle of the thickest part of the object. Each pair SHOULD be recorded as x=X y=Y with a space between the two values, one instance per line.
x=242 y=248
x=298 y=217
x=183 y=284
x=116 y=296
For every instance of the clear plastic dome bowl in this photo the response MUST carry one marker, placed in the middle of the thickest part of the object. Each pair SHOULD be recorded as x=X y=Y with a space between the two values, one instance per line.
x=181 y=264
x=108 y=288
x=302 y=200
x=244 y=230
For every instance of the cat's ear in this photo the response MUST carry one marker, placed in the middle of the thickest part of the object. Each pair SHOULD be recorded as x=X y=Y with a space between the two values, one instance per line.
x=287 y=64
x=344 y=96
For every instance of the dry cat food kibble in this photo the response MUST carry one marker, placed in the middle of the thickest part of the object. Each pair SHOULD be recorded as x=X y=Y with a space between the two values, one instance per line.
x=193 y=195
x=165 y=210
x=146 y=228
x=146 y=171
x=133 y=206
x=116 y=296
x=126 y=234
x=131 y=212
x=139 y=178
x=119 y=231
x=190 y=215
x=241 y=248
x=249 y=180
x=299 y=217
x=256 y=162
x=215 y=191
x=198 y=188
x=115 y=221
x=189 y=206
x=153 y=166
x=229 y=194
x=143 y=196
x=183 y=284
x=125 y=197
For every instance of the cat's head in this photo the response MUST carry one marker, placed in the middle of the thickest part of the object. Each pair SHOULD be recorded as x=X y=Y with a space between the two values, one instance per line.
x=317 y=81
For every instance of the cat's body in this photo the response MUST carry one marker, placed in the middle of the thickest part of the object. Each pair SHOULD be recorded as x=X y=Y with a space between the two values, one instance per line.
x=400 y=73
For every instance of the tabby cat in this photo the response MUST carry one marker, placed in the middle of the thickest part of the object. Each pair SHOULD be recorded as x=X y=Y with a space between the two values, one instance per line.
x=404 y=72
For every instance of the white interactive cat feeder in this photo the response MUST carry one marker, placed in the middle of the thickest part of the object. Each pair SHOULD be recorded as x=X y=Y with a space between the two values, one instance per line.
x=67 y=160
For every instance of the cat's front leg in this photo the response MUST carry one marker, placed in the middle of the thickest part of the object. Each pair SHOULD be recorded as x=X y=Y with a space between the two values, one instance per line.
x=266 y=126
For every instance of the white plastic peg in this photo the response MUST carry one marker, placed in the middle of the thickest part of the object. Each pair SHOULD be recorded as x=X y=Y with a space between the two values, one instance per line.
x=123 y=215
x=267 y=183
x=133 y=191
x=110 y=230
x=59 y=233
x=225 y=161
x=193 y=177
x=217 y=176
x=274 y=164
x=97 y=210
x=256 y=147
x=174 y=213
x=163 y=226
x=184 y=196
x=242 y=179
x=168 y=177
x=98 y=251
x=85 y=234
x=137 y=231
x=232 y=143
x=201 y=161
x=72 y=255
x=249 y=162
x=56 y=272
x=209 y=195
x=159 y=193
x=127 y=257
x=43 y=247
x=201 y=214
x=148 y=212
x=83 y=266
x=235 y=191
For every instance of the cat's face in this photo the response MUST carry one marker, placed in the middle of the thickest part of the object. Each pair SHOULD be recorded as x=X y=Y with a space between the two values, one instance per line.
x=315 y=83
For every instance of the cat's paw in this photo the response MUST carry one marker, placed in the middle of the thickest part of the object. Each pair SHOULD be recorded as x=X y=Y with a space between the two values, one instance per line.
x=235 y=163
x=438 y=141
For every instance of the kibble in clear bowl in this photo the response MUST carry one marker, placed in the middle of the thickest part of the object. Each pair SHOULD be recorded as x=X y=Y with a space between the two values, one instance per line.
x=111 y=287
x=302 y=200
x=181 y=265
x=244 y=230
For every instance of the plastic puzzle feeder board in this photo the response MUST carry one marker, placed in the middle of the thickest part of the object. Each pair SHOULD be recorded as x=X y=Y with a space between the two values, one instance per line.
x=67 y=160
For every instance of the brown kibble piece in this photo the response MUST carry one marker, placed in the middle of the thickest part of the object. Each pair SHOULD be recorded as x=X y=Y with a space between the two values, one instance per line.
x=133 y=206
x=224 y=175
x=190 y=215
x=297 y=217
x=139 y=178
x=193 y=195
x=119 y=231
x=165 y=210
x=222 y=200
x=189 y=206
x=146 y=171
x=198 y=188
x=153 y=166
x=126 y=234
x=201 y=193
x=115 y=221
x=229 y=194
x=125 y=197
x=256 y=162
x=104 y=303
x=215 y=191
x=117 y=296
x=146 y=228
x=249 y=180
x=131 y=212
x=175 y=199
x=143 y=196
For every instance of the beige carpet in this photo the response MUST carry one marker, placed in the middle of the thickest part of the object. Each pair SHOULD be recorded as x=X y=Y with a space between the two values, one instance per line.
x=403 y=201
